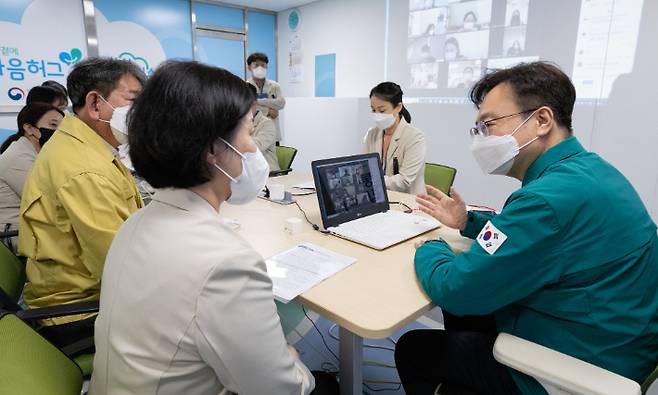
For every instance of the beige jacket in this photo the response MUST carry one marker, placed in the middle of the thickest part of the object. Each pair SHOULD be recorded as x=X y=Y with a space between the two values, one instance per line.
x=274 y=100
x=264 y=135
x=15 y=163
x=187 y=308
x=408 y=147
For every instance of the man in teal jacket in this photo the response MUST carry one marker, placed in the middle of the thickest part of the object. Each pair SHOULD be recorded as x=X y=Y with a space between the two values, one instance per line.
x=571 y=262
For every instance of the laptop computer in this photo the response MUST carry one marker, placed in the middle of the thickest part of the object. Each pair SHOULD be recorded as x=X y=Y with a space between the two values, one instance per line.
x=354 y=203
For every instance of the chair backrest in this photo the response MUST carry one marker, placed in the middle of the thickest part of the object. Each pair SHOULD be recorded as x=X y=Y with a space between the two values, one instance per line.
x=30 y=365
x=12 y=278
x=650 y=385
x=285 y=156
x=439 y=176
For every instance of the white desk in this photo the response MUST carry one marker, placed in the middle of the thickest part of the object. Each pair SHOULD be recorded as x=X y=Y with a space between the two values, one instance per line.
x=373 y=298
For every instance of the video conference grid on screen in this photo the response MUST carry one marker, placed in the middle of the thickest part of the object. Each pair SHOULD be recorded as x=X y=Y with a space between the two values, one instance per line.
x=351 y=185
x=451 y=43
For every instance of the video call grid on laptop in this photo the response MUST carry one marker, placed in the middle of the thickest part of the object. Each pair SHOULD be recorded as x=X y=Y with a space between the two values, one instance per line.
x=350 y=188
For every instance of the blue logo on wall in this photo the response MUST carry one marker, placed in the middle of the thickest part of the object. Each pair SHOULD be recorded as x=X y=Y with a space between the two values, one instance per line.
x=141 y=62
x=294 y=20
x=15 y=93
x=71 y=57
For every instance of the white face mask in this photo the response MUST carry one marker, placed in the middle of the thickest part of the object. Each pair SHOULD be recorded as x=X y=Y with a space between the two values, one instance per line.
x=251 y=181
x=496 y=154
x=469 y=25
x=118 y=122
x=383 y=121
x=450 y=54
x=259 y=72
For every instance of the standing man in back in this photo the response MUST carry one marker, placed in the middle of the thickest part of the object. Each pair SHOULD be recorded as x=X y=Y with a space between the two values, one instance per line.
x=78 y=194
x=270 y=99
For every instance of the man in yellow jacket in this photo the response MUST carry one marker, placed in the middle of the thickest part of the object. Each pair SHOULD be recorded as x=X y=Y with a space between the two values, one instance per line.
x=77 y=196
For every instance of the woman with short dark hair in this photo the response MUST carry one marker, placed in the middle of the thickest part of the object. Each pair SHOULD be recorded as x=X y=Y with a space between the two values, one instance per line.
x=187 y=305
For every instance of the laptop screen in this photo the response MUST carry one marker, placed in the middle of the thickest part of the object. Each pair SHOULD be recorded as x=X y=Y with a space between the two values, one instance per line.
x=349 y=188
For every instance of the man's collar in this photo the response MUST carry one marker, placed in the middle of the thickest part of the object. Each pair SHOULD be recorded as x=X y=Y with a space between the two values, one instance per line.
x=561 y=151
x=78 y=129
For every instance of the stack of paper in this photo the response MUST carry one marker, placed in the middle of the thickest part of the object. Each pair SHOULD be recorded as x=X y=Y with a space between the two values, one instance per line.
x=300 y=268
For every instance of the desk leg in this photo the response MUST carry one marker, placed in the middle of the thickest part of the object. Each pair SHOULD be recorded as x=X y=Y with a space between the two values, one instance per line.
x=351 y=363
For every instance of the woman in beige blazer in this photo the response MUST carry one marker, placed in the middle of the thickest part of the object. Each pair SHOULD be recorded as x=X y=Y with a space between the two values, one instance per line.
x=400 y=145
x=36 y=123
x=186 y=303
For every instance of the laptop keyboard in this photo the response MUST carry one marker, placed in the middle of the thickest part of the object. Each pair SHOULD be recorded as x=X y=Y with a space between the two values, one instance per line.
x=385 y=229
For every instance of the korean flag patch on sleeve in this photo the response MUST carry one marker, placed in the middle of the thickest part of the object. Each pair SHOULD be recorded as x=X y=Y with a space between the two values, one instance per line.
x=490 y=238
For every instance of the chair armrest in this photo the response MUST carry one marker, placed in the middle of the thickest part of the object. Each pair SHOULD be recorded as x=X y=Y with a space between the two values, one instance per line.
x=10 y=233
x=277 y=173
x=560 y=370
x=74 y=349
x=58 y=311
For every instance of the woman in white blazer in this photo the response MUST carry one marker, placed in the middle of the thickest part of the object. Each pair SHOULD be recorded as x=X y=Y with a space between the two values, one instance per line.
x=186 y=303
x=400 y=145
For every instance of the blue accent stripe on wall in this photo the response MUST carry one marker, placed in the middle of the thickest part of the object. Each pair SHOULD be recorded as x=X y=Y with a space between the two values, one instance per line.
x=325 y=75
x=261 y=38
x=216 y=15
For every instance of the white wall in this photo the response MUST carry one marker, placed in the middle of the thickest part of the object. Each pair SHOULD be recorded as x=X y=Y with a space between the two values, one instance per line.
x=323 y=127
x=353 y=30
x=7 y=125
x=8 y=120
x=623 y=131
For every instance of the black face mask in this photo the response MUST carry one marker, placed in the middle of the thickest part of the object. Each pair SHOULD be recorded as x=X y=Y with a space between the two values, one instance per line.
x=46 y=134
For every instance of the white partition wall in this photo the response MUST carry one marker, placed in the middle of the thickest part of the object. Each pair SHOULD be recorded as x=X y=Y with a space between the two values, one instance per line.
x=625 y=130
x=620 y=126
x=322 y=128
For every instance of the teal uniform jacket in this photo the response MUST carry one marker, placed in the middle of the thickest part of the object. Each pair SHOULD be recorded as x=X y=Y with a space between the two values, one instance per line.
x=577 y=272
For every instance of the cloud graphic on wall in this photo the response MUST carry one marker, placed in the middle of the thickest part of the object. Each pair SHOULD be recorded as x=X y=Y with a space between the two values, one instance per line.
x=128 y=40
x=66 y=34
x=143 y=63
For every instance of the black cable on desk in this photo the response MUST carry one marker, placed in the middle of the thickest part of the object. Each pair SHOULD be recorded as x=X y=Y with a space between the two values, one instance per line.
x=408 y=209
x=320 y=333
x=315 y=227
x=381 y=389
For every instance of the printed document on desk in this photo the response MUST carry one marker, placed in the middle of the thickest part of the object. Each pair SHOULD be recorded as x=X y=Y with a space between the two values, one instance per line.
x=300 y=268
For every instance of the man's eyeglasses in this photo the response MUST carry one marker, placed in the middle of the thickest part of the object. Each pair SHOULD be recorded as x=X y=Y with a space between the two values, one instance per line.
x=481 y=128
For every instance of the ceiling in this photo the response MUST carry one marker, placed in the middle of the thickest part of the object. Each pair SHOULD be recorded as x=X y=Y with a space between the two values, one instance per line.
x=270 y=5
